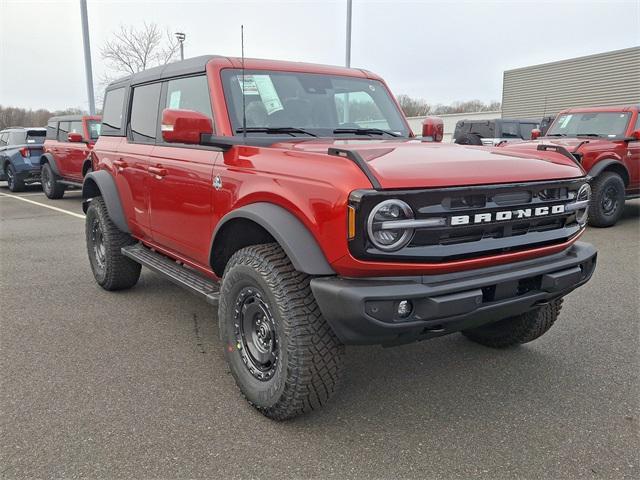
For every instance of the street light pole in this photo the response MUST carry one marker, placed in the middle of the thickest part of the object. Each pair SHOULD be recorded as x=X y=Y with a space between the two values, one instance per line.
x=347 y=61
x=181 y=36
x=87 y=56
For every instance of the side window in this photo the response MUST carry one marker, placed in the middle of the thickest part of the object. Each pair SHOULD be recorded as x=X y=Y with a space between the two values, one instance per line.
x=63 y=131
x=360 y=109
x=191 y=93
x=17 y=137
x=510 y=130
x=76 y=127
x=637 y=122
x=526 y=129
x=144 y=113
x=3 y=139
x=112 y=109
x=52 y=130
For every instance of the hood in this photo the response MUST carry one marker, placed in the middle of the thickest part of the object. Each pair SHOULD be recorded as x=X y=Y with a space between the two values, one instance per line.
x=570 y=143
x=415 y=164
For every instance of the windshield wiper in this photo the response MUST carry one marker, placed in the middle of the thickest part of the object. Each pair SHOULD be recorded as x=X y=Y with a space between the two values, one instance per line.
x=587 y=135
x=366 y=131
x=556 y=135
x=276 y=130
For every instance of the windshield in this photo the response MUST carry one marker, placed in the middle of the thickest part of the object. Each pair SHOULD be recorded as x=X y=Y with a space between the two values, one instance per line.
x=592 y=124
x=94 y=129
x=310 y=104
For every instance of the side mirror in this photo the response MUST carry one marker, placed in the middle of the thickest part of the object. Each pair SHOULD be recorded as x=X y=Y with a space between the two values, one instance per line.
x=184 y=126
x=432 y=129
x=536 y=133
x=635 y=135
x=74 y=137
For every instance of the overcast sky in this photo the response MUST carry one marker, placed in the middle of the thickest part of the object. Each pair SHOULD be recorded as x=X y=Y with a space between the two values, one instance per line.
x=438 y=50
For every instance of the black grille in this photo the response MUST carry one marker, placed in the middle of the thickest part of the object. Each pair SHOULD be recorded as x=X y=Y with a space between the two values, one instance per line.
x=457 y=241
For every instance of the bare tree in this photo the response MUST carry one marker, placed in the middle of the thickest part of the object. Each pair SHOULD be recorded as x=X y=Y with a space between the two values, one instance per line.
x=413 y=107
x=132 y=50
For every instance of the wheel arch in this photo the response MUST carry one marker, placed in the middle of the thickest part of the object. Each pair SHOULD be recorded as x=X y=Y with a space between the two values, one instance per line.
x=86 y=166
x=265 y=222
x=610 y=165
x=101 y=183
x=48 y=158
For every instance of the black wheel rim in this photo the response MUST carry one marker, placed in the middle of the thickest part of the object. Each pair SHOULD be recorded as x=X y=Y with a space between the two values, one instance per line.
x=46 y=179
x=610 y=200
x=9 y=178
x=97 y=241
x=255 y=332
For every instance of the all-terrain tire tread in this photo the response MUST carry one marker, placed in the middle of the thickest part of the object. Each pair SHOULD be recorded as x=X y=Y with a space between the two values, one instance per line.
x=121 y=272
x=517 y=330
x=314 y=352
x=596 y=217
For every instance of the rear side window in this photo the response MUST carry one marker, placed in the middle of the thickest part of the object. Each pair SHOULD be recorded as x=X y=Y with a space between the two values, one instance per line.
x=18 y=137
x=191 y=93
x=76 y=127
x=144 y=113
x=52 y=130
x=63 y=131
x=94 y=129
x=526 y=129
x=3 y=139
x=112 y=110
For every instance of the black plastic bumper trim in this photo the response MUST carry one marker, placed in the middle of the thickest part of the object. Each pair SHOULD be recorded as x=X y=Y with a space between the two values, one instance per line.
x=364 y=311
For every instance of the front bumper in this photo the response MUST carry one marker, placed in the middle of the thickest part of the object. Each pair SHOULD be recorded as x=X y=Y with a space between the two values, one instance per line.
x=364 y=311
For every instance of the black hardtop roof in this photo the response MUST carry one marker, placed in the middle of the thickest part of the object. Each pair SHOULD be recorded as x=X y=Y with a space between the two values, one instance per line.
x=486 y=120
x=183 y=67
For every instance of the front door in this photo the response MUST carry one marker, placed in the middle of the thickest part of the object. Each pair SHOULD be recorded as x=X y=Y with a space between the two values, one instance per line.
x=181 y=179
x=632 y=160
x=76 y=152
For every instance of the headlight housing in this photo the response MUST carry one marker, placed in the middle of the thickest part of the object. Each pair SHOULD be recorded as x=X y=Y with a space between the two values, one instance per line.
x=381 y=229
x=583 y=195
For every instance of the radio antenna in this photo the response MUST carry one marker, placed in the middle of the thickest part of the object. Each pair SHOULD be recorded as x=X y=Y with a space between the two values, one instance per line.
x=244 y=84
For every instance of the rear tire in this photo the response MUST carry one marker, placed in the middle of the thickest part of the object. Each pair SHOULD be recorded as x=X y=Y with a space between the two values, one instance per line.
x=13 y=182
x=50 y=186
x=111 y=269
x=607 y=200
x=284 y=356
x=516 y=330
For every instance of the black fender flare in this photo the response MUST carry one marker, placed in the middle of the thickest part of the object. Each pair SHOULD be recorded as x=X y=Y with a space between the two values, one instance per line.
x=101 y=183
x=85 y=163
x=604 y=164
x=48 y=158
x=293 y=236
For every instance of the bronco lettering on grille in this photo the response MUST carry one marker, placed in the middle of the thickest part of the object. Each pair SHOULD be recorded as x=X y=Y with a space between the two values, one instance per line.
x=505 y=215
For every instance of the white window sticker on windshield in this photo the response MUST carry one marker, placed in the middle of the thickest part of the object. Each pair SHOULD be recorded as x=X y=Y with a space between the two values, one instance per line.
x=248 y=86
x=174 y=99
x=30 y=140
x=565 y=121
x=268 y=93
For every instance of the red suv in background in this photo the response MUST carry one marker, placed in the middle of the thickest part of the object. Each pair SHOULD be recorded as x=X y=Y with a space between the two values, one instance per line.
x=66 y=159
x=606 y=143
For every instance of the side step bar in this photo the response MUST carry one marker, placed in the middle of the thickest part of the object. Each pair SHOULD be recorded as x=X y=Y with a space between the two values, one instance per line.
x=174 y=272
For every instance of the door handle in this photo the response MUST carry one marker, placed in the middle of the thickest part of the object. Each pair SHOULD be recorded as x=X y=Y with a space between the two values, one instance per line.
x=120 y=165
x=158 y=172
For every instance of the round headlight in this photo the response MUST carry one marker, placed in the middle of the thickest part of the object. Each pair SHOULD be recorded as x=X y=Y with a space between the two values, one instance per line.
x=584 y=194
x=380 y=225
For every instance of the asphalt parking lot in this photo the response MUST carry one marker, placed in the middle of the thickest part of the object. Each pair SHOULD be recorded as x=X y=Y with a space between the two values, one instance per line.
x=134 y=385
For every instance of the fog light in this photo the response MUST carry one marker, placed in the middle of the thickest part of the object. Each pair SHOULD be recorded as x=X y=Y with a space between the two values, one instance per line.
x=404 y=308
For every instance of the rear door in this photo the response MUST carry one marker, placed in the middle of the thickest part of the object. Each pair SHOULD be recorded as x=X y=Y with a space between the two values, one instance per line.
x=60 y=149
x=180 y=183
x=132 y=163
x=76 y=152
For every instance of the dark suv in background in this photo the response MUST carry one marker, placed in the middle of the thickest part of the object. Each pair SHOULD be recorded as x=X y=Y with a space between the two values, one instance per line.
x=20 y=151
x=493 y=132
x=66 y=160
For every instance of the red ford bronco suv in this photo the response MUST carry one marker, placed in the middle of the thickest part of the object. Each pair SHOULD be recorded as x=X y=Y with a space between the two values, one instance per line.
x=296 y=198
x=606 y=142
x=66 y=159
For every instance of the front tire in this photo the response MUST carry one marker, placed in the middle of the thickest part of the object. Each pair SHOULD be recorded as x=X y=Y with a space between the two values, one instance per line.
x=50 y=186
x=284 y=356
x=607 y=200
x=111 y=269
x=516 y=330
x=13 y=182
